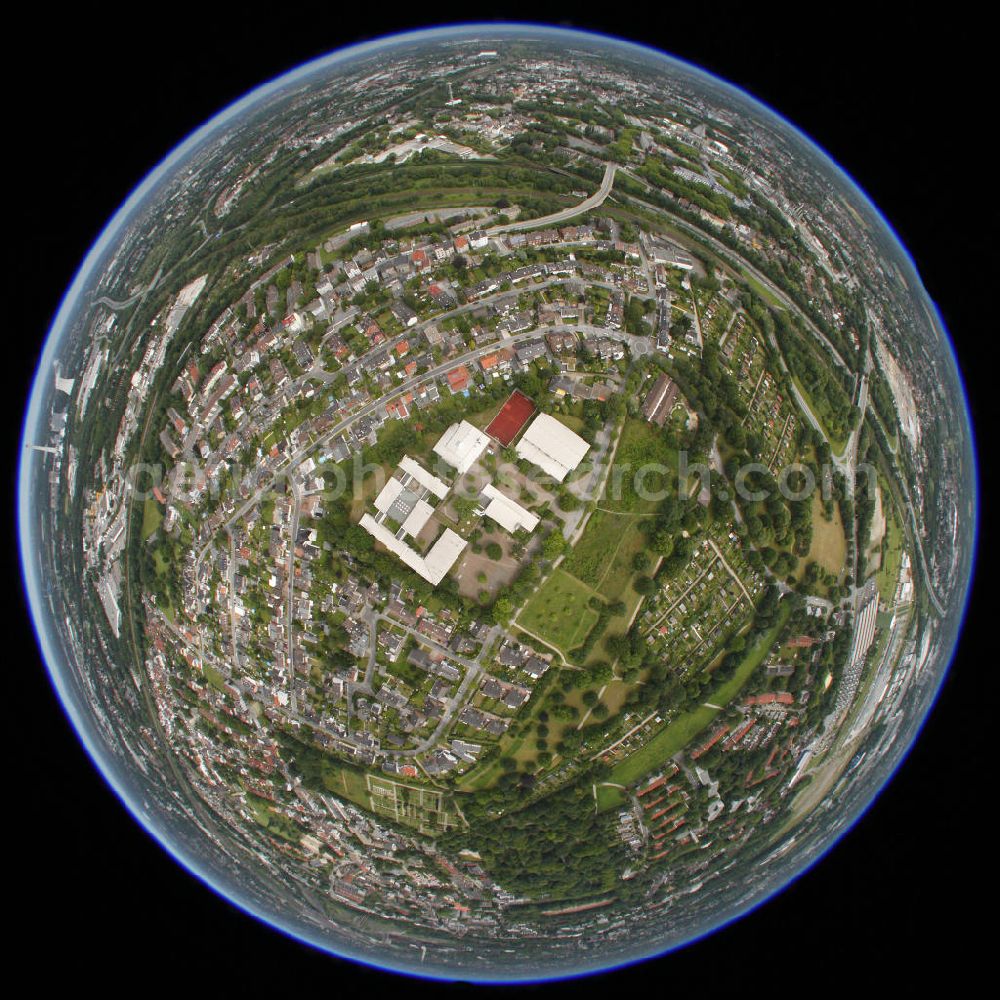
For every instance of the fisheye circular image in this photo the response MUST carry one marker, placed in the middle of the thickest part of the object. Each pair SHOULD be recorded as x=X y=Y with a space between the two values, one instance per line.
x=497 y=503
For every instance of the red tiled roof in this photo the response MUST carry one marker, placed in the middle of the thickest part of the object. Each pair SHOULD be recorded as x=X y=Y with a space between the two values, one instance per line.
x=458 y=378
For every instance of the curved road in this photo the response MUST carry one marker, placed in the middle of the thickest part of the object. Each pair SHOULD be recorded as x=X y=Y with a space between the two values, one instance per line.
x=566 y=214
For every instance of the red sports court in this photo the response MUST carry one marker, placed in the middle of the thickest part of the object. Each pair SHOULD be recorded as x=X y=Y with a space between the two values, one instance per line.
x=513 y=415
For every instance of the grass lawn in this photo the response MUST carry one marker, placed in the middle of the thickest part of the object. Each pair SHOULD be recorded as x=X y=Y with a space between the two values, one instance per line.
x=602 y=558
x=575 y=424
x=559 y=612
x=259 y=809
x=479 y=777
x=152 y=516
x=829 y=546
x=614 y=697
x=273 y=822
x=763 y=292
x=892 y=556
x=407 y=672
x=589 y=561
x=524 y=750
x=350 y=784
x=482 y=418
x=521 y=747
x=679 y=733
x=214 y=677
x=610 y=797
x=644 y=459
x=368 y=490
x=620 y=572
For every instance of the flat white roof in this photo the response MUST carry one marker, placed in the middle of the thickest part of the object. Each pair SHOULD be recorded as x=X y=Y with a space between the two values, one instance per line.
x=417 y=518
x=509 y=514
x=431 y=567
x=664 y=253
x=422 y=476
x=552 y=446
x=460 y=445
x=388 y=494
x=443 y=554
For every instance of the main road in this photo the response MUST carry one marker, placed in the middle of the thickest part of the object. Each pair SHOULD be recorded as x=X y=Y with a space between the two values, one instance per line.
x=587 y=205
x=290 y=602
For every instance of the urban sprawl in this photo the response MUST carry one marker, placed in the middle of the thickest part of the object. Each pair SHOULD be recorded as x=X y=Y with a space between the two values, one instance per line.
x=499 y=483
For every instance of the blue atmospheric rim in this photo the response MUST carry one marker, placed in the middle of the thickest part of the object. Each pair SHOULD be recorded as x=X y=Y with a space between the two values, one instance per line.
x=31 y=581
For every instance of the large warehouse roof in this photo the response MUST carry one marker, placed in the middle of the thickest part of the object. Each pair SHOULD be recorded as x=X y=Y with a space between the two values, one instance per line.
x=506 y=512
x=460 y=445
x=552 y=446
x=433 y=566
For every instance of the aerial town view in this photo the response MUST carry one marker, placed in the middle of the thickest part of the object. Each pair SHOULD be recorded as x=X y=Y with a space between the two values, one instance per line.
x=497 y=503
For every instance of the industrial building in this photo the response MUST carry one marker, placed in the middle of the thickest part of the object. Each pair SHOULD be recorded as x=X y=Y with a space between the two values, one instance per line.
x=552 y=446
x=404 y=506
x=509 y=514
x=434 y=565
x=661 y=252
x=660 y=401
x=403 y=503
x=423 y=477
x=461 y=445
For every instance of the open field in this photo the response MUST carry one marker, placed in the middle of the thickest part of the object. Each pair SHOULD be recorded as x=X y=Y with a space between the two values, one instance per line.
x=350 y=784
x=891 y=556
x=610 y=797
x=614 y=584
x=644 y=469
x=480 y=776
x=521 y=747
x=559 y=612
x=573 y=422
x=369 y=488
x=762 y=292
x=592 y=556
x=873 y=549
x=152 y=516
x=481 y=418
x=829 y=546
x=614 y=697
x=214 y=677
x=275 y=824
x=679 y=733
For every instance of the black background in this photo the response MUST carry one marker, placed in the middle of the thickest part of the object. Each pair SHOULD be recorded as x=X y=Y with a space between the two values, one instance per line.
x=901 y=103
